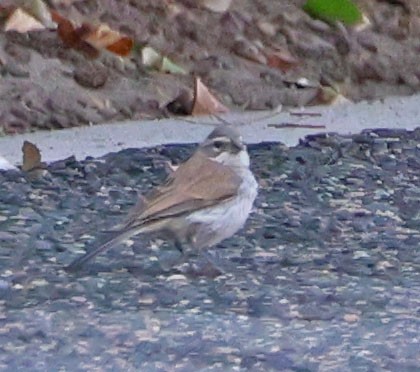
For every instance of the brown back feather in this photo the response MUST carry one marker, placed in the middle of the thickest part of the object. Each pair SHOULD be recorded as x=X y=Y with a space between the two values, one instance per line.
x=196 y=184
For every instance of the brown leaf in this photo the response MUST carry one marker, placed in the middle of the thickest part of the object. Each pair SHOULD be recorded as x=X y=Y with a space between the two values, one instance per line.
x=205 y=103
x=103 y=37
x=31 y=157
x=327 y=95
x=90 y=39
x=66 y=30
x=22 y=22
x=72 y=37
x=281 y=59
x=249 y=50
x=122 y=47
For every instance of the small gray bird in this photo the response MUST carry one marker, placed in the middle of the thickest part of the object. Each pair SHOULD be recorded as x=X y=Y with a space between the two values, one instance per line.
x=204 y=201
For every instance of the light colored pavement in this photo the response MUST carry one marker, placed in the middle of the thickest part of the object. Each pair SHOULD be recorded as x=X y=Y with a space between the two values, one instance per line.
x=393 y=112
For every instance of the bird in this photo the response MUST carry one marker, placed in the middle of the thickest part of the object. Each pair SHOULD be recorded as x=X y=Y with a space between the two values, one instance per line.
x=207 y=199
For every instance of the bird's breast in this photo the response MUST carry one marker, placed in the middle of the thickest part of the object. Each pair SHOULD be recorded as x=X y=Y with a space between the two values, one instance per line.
x=221 y=221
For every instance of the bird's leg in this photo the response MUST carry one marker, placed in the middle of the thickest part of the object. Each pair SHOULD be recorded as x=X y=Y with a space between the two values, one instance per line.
x=207 y=267
x=170 y=260
x=175 y=263
x=185 y=246
x=179 y=246
x=186 y=243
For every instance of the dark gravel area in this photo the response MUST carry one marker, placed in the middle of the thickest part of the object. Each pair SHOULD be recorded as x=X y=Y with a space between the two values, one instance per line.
x=325 y=276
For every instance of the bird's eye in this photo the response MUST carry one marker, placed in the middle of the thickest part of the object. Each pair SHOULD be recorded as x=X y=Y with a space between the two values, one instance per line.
x=218 y=145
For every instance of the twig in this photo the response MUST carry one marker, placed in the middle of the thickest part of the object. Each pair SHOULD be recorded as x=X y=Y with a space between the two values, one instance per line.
x=305 y=114
x=191 y=119
x=294 y=125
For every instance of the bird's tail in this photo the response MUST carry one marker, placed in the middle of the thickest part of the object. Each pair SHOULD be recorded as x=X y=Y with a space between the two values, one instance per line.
x=117 y=237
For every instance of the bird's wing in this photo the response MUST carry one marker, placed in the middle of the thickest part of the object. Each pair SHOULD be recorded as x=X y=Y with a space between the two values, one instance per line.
x=196 y=184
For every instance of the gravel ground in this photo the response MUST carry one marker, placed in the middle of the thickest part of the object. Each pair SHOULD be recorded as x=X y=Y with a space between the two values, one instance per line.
x=46 y=85
x=325 y=276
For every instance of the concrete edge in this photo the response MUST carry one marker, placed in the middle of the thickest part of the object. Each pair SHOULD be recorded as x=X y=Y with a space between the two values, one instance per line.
x=256 y=127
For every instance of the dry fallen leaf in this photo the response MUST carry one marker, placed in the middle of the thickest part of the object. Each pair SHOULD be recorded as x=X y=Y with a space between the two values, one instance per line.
x=103 y=37
x=150 y=57
x=249 y=50
x=90 y=38
x=171 y=67
x=22 y=22
x=205 y=103
x=327 y=95
x=275 y=57
x=281 y=59
x=218 y=6
x=31 y=157
x=66 y=30
x=39 y=10
x=72 y=37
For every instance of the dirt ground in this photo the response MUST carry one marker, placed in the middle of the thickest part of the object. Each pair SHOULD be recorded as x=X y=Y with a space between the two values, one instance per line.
x=45 y=85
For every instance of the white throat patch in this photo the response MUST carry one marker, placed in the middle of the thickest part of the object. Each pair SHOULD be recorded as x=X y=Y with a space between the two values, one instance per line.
x=241 y=159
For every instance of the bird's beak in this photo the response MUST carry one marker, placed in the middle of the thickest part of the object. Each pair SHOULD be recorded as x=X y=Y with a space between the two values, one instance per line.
x=239 y=146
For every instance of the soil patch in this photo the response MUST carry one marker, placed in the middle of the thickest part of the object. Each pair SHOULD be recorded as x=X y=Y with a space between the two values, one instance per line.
x=46 y=85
